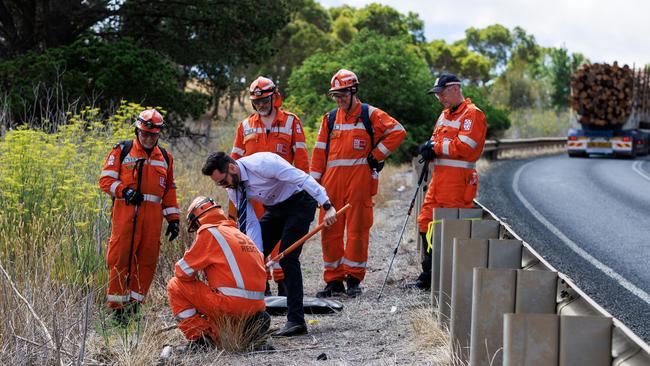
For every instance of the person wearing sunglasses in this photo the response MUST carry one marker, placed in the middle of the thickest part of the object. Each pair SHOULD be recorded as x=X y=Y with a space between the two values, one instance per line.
x=354 y=140
x=272 y=129
x=138 y=175
x=234 y=275
x=454 y=147
x=290 y=197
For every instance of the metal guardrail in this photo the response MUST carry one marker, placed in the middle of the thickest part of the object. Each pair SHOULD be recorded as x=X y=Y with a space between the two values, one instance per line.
x=492 y=148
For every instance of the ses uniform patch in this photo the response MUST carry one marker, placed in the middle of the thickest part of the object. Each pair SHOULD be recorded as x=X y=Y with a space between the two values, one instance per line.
x=281 y=149
x=360 y=144
x=111 y=160
x=299 y=130
x=162 y=182
x=467 y=125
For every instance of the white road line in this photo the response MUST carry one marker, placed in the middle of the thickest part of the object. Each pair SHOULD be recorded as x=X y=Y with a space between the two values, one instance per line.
x=573 y=246
x=637 y=168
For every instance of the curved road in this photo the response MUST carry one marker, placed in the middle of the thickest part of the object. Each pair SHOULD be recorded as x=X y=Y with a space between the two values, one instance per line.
x=589 y=217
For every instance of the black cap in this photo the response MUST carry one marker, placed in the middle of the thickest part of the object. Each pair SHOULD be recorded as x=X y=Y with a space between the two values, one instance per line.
x=444 y=80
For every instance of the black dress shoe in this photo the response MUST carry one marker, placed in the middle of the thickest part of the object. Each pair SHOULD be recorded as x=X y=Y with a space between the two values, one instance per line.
x=291 y=329
x=354 y=289
x=418 y=285
x=332 y=288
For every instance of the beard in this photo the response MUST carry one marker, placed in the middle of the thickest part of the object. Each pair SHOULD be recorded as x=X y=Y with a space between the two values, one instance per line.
x=235 y=181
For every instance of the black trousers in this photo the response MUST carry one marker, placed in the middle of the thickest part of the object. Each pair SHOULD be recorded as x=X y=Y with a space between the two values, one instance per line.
x=289 y=221
x=425 y=276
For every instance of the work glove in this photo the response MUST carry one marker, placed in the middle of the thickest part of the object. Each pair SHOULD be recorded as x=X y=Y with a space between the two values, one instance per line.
x=173 y=228
x=374 y=164
x=132 y=197
x=426 y=151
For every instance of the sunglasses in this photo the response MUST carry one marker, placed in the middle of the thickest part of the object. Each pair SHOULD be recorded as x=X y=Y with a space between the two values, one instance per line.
x=149 y=134
x=338 y=95
x=262 y=101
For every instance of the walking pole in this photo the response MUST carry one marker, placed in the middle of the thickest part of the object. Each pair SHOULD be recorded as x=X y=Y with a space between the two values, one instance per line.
x=302 y=240
x=425 y=170
x=138 y=167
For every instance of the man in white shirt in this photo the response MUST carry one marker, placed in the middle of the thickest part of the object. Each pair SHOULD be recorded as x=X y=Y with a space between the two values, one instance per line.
x=290 y=197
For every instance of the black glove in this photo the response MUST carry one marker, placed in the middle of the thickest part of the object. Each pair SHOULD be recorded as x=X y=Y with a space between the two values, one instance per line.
x=374 y=164
x=173 y=228
x=132 y=197
x=426 y=151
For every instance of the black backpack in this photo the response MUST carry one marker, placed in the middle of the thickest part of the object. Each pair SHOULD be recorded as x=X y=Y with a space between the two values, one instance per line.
x=126 y=146
x=365 y=118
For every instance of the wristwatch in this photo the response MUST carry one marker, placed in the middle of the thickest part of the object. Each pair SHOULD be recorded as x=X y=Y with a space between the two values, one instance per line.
x=327 y=205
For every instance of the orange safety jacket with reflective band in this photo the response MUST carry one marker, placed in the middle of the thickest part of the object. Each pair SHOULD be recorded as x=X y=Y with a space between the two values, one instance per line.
x=459 y=138
x=157 y=184
x=350 y=143
x=285 y=138
x=231 y=262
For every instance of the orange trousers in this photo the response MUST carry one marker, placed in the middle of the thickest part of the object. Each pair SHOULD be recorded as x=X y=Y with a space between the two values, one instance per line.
x=448 y=187
x=146 y=247
x=196 y=307
x=347 y=184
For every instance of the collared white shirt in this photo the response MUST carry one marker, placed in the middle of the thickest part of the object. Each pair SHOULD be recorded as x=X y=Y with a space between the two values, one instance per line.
x=270 y=179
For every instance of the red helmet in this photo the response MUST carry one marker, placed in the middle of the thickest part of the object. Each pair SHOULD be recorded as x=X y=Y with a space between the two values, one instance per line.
x=344 y=79
x=264 y=88
x=150 y=120
x=198 y=208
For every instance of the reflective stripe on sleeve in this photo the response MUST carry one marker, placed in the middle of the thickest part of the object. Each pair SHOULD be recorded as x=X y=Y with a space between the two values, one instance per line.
x=137 y=296
x=393 y=129
x=289 y=124
x=185 y=267
x=110 y=173
x=320 y=145
x=301 y=145
x=170 y=210
x=468 y=140
x=315 y=175
x=114 y=187
x=384 y=150
x=117 y=298
x=238 y=151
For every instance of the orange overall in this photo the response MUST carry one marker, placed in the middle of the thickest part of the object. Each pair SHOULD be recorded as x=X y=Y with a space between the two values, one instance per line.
x=459 y=138
x=285 y=138
x=235 y=274
x=347 y=177
x=159 y=192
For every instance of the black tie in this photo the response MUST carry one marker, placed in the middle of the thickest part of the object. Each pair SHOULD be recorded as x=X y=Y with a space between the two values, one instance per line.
x=241 y=209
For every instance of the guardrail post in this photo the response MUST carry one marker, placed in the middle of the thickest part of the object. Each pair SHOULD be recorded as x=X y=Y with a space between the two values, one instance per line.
x=536 y=292
x=493 y=295
x=451 y=229
x=531 y=339
x=585 y=340
x=439 y=214
x=468 y=254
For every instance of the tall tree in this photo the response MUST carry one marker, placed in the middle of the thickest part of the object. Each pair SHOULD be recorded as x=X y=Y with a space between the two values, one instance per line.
x=494 y=41
x=36 y=25
x=561 y=77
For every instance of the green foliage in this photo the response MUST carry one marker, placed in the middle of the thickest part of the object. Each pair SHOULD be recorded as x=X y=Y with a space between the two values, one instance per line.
x=381 y=19
x=393 y=77
x=97 y=72
x=457 y=59
x=497 y=118
x=561 y=77
x=50 y=200
x=343 y=29
x=536 y=122
x=493 y=42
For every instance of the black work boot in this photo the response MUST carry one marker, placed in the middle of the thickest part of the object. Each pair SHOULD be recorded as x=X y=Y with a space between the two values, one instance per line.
x=291 y=329
x=332 y=288
x=282 y=289
x=354 y=289
x=420 y=283
x=267 y=290
x=120 y=317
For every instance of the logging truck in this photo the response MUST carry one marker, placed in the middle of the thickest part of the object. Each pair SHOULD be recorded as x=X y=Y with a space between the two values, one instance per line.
x=610 y=111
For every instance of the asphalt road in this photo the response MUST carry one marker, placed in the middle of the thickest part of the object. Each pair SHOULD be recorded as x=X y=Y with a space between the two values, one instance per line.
x=590 y=218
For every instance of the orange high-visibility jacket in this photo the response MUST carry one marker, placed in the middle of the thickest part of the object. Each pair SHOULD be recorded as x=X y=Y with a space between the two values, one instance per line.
x=350 y=143
x=231 y=262
x=285 y=138
x=157 y=184
x=459 y=138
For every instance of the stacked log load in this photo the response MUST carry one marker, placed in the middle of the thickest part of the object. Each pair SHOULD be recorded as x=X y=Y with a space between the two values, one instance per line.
x=603 y=95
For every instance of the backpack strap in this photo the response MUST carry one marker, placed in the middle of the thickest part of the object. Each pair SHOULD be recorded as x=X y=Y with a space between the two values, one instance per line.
x=331 y=118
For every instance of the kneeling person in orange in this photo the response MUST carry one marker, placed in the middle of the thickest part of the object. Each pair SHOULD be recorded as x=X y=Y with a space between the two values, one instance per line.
x=139 y=175
x=235 y=274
